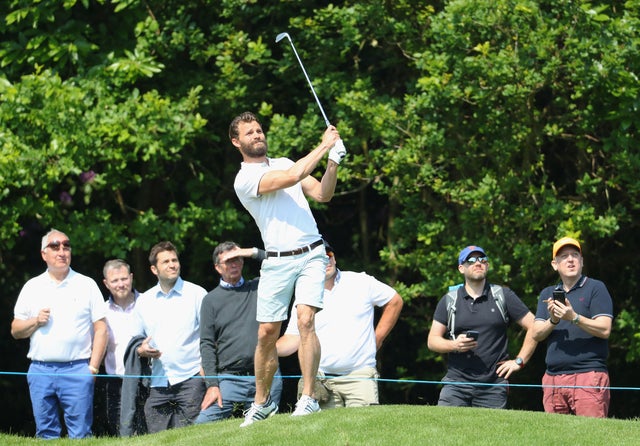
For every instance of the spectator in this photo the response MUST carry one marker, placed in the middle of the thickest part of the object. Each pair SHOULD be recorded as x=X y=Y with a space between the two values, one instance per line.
x=168 y=315
x=229 y=335
x=576 y=325
x=118 y=279
x=275 y=191
x=348 y=339
x=482 y=357
x=63 y=314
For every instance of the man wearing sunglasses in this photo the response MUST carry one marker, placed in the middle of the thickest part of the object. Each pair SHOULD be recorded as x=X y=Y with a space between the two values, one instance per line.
x=477 y=347
x=348 y=338
x=63 y=314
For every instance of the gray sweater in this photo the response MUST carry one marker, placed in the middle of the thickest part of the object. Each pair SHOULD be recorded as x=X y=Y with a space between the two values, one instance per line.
x=229 y=331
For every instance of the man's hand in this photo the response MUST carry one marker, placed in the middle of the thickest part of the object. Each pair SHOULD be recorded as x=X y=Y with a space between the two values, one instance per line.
x=463 y=344
x=506 y=368
x=558 y=310
x=212 y=396
x=337 y=152
x=147 y=351
x=43 y=317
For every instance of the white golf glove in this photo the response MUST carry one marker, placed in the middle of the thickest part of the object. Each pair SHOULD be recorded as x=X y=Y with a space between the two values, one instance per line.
x=337 y=152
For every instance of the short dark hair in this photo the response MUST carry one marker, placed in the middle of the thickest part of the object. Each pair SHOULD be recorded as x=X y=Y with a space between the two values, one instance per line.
x=223 y=247
x=328 y=247
x=158 y=248
x=242 y=117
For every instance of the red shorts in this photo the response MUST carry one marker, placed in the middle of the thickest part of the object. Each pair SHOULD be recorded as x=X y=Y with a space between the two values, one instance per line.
x=586 y=394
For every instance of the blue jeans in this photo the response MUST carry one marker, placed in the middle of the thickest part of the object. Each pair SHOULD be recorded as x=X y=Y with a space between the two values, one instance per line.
x=237 y=391
x=61 y=385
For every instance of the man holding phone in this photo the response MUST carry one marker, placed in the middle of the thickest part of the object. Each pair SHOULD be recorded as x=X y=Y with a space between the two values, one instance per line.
x=477 y=344
x=575 y=317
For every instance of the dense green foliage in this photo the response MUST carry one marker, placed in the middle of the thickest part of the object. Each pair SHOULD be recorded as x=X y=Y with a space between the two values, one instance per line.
x=501 y=123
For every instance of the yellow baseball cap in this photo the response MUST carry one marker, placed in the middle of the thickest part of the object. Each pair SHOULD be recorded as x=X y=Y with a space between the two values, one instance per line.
x=565 y=241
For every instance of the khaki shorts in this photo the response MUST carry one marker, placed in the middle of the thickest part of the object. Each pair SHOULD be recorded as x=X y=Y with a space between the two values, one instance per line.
x=358 y=388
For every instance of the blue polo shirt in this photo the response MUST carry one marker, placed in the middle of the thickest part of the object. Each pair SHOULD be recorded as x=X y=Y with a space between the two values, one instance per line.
x=483 y=315
x=570 y=349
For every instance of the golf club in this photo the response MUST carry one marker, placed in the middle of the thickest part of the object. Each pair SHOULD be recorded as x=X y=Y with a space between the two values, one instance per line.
x=281 y=36
x=339 y=145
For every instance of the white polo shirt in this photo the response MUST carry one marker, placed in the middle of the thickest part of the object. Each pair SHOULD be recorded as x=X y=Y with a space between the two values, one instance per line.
x=75 y=303
x=345 y=325
x=283 y=216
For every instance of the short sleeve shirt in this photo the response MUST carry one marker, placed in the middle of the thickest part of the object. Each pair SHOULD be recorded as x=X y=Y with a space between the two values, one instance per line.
x=483 y=315
x=283 y=217
x=75 y=304
x=345 y=325
x=569 y=348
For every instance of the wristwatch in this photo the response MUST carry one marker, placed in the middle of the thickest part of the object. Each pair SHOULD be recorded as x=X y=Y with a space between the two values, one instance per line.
x=519 y=361
x=576 y=319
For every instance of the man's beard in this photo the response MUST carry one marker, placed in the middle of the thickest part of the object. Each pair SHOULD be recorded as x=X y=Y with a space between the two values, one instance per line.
x=476 y=276
x=256 y=149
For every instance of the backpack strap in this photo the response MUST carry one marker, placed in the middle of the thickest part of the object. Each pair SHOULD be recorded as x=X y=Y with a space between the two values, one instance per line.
x=452 y=297
x=498 y=296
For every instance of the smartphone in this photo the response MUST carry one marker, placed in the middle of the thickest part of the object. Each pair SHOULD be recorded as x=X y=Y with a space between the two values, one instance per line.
x=559 y=295
x=472 y=334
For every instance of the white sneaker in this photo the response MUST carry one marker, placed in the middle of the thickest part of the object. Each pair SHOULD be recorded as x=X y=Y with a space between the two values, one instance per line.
x=305 y=406
x=259 y=412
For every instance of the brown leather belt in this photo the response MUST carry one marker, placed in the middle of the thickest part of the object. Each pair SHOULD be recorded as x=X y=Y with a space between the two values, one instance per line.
x=295 y=252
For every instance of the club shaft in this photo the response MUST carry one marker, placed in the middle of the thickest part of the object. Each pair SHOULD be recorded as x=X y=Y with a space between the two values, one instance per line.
x=310 y=84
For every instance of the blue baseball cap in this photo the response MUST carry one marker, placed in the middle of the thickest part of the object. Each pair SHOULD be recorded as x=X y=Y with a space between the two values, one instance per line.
x=466 y=252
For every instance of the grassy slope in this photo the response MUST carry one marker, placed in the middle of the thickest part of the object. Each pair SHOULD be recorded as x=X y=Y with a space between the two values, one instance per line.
x=390 y=425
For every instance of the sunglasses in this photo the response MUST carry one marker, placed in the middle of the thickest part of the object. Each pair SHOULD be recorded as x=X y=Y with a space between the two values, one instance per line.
x=66 y=245
x=472 y=260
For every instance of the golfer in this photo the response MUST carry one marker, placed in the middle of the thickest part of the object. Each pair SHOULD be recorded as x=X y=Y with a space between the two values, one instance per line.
x=274 y=191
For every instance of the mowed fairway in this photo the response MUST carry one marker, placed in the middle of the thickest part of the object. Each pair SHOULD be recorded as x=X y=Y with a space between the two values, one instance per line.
x=390 y=425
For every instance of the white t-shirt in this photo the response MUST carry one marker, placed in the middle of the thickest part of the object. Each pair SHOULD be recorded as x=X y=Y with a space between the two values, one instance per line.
x=345 y=325
x=121 y=330
x=284 y=216
x=173 y=322
x=75 y=303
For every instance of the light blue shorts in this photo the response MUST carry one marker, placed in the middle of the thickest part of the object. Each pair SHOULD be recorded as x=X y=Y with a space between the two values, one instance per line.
x=280 y=277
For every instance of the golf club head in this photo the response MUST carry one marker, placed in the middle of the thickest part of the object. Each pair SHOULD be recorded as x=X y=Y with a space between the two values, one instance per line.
x=281 y=36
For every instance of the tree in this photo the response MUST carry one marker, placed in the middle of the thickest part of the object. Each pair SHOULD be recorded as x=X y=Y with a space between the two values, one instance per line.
x=505 y=124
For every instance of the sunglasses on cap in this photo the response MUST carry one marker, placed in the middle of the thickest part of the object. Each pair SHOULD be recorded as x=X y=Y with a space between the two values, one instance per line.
x=472 y=260
x=55 y=246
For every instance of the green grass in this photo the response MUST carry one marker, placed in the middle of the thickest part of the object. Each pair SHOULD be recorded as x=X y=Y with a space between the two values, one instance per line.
x=389 y=425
